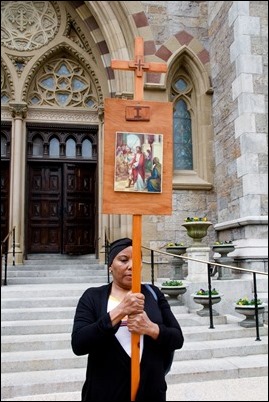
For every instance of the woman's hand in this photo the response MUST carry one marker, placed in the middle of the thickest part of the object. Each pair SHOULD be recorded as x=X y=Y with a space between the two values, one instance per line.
x=133 y=303
x=142 y=325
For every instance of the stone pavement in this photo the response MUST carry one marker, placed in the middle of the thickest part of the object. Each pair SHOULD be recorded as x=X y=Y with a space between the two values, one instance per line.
x=239 y=389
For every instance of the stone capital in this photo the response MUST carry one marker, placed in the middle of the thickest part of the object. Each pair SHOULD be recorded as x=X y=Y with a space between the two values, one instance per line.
x=18 y=109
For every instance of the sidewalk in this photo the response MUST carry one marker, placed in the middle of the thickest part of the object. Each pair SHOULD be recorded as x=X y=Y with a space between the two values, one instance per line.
x=239 y=389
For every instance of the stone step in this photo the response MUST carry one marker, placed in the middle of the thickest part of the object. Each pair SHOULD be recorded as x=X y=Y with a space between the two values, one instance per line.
x=40 y=290
x=38 y=313
x=71 y=380
x=61 y=301
x=51 y=357
x=60 y=267
x=38 y=274
x=61 y=280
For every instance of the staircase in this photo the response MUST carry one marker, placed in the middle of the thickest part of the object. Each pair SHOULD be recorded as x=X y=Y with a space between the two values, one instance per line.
x=38 y=307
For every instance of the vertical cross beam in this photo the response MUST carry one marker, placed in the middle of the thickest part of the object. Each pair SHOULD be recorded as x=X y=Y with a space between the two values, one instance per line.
x=139 y=66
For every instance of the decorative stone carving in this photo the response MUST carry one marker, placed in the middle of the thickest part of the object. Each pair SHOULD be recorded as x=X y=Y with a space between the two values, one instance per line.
x=18 y=109
x=27 y=25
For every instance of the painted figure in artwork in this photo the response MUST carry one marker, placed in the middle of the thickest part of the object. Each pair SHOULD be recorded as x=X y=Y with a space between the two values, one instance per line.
x=138 y=170
x=154 y=181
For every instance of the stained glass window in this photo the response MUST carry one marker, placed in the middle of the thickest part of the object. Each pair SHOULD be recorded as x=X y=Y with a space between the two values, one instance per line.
x=182 y=125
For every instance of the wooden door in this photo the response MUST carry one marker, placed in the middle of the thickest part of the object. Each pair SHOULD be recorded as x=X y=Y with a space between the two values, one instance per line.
x=4 y=198
x=45 y=209
x=61 y=208
x=79 y=209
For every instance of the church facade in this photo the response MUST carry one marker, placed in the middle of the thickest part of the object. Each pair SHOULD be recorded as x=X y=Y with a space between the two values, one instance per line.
x=55 y=76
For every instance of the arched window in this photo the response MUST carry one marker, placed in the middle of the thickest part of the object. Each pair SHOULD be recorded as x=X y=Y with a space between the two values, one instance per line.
x=54 y=147
x=86 y=148
x=70 y=148
x=37 y=147
x=3 y=145
x=182 y=137
x=192 y=126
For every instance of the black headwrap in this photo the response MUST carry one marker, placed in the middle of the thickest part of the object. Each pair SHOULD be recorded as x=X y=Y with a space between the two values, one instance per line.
x=116 y=247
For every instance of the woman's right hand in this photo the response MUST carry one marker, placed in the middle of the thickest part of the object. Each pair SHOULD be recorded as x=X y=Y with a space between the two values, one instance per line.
x=133 y=303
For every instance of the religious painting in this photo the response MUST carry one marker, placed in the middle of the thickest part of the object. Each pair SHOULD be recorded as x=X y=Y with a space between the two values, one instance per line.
x=138 y=162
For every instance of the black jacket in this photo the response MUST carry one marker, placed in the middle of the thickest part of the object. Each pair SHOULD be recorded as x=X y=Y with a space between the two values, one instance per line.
x=108 y=376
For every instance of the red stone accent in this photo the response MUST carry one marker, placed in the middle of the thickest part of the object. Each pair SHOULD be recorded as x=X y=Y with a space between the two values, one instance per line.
x=103 y=47
x=140 y=20
x=154 y=78
x=149 y=47
x=204 y=56
x=91 y=22
x=183 y=37
x=163 y=53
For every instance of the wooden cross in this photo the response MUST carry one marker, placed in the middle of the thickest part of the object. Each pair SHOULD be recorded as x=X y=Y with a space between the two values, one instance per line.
x=139 y=67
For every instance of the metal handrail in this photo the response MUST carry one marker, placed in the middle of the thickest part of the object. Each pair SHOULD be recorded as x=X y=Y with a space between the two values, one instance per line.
x=209 y=264
x=4 y=247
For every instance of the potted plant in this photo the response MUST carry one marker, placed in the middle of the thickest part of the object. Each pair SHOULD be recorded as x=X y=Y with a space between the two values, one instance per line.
x=173 y=288
x=201 y=296
x=246 y=307
x=197 y=228
x=175 y=248
x=223 y=247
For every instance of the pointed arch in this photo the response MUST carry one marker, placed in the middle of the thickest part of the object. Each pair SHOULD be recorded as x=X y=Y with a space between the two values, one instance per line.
x=7 y=87
x=187 y=58
x=68 y=51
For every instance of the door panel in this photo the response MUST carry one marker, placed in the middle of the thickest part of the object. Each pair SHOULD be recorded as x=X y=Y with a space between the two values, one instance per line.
x=61 y=208
x=4 y=198
x=79 y=217
x=45 y=195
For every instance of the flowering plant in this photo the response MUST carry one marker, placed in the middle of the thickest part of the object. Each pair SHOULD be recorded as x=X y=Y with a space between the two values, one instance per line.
x=174 y=244
x=172 y=283
x=244 y=301
x=218 y=243
x=196 y=219
x=202 y=292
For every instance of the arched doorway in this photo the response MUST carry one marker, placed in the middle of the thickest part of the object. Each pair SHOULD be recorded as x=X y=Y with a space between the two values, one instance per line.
x=61 y=186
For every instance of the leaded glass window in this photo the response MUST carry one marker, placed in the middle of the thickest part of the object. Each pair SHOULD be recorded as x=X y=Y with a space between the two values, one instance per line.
x=70 y=148
x=182 y=124
x=37 y=147
x=86 y=148
x=182 y=137
x=54 y=147
x=3 y=145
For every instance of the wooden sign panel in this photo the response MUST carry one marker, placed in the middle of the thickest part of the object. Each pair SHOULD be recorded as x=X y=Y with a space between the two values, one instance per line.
x=133 y=127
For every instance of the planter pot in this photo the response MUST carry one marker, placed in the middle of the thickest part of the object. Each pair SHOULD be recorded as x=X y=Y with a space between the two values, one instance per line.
x=223 y=249
x=249 y=313
x=176 y=250
x=197 y=231
x=177 y=263
x=204 y=301
x=174 y=291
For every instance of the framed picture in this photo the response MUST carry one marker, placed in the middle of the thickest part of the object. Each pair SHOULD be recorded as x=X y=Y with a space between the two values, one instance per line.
x=138 y=162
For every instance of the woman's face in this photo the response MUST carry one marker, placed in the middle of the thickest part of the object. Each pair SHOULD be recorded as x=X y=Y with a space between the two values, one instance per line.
x=122 y=267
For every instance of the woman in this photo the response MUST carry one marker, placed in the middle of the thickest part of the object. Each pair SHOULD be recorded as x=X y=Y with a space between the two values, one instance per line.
x=104 y=320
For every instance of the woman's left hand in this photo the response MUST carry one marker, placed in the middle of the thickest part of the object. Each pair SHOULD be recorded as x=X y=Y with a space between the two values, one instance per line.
x=142 y=325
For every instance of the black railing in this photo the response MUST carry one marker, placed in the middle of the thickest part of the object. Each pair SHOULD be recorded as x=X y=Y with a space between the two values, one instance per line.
x=210 y=269
x=4 y=252
x=211 y=266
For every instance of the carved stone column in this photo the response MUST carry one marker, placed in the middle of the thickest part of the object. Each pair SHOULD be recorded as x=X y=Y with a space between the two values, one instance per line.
x=17 y=176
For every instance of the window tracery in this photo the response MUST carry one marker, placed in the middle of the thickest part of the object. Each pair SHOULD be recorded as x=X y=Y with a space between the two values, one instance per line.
x=64 y=83
x=27 y=25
